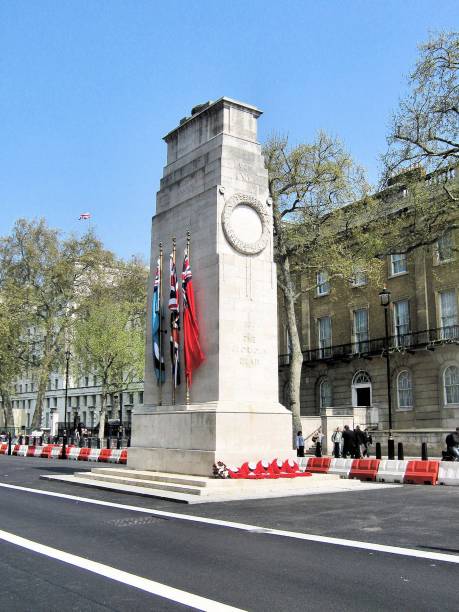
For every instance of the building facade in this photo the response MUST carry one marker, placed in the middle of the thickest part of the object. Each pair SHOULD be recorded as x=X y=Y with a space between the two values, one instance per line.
x=83 y=403
x=342 y=329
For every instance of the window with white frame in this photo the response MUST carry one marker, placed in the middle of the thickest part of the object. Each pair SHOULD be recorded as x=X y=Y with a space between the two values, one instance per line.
x=323 y=286
x=451 y=385
x=402 y=322
x=325 y=336
x=445 y=248
x=360 y=327
x=359 y=278
x=448 y=314
x=405 y=390
x=398 y=264
x=325 y=393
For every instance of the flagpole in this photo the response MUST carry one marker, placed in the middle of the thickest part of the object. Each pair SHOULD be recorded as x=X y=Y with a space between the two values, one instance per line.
x=187 y=382
x=160 y=322
x=173 y=366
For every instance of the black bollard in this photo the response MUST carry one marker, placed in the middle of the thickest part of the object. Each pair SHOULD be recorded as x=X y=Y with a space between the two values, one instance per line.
x=424 y=456
x=118 y=442
x=98 y=442
x=9 y=444
x=128 y=442
x=64 y=447
x=41 y=441
x=318 y=449
x=26 y=441
x=391 y=448
x=378 y=450
x=109 y=442
x=400 y=453
x=35 y=442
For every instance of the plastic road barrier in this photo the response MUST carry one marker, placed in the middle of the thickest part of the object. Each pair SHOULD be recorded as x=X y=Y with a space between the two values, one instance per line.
x=318 y=465
x=341 y=467
x=448 y=473
x=421 y=472
x=391 y=470
x=364 y=469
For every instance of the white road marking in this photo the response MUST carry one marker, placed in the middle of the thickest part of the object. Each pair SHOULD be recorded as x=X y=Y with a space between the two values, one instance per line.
x=394 y=550
x=150 y=586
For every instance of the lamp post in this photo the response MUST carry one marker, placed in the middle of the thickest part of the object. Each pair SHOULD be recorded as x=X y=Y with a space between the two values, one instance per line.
x=384 y=298
x=64 y=438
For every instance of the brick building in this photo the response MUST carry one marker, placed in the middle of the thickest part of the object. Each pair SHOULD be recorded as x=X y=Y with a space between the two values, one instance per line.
x=342 y=330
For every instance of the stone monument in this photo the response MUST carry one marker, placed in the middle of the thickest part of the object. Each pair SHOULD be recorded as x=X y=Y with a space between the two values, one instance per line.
x=215 y=185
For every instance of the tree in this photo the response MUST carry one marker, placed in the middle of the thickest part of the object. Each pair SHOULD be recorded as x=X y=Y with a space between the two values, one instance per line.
x=109 y=336
x=15 y=347
x=110 y=343
x=423 y=145
x=425 y=128
x=315 y=233
x=52 y=273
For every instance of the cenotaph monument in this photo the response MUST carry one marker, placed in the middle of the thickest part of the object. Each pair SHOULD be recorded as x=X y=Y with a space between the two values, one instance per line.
x=215 y=186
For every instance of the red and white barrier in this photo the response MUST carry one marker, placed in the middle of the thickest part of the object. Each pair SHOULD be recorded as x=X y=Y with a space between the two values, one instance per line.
x=342 y=467
x=448 y=473
x=391 y=470
x=54 y=451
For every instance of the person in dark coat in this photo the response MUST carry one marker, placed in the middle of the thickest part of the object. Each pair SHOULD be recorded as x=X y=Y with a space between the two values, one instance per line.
x=452 y=444
x=348 y=442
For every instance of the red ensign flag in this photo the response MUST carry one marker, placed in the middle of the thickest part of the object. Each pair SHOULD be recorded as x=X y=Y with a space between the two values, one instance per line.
x=193 y=353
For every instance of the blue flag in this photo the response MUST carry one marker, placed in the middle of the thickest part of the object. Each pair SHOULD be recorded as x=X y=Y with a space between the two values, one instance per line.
x=158 y=359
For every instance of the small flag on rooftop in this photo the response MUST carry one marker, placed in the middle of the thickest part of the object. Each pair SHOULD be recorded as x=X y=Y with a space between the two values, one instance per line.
x=84 y=216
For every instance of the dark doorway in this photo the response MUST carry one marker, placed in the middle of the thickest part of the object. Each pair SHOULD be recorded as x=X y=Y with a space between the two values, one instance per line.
x=363 y=396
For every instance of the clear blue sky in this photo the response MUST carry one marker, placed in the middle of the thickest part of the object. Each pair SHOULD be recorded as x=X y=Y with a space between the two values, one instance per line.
x=88 y=89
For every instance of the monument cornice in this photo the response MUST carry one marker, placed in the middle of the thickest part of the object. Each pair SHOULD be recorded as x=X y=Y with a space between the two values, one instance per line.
x=213 y=106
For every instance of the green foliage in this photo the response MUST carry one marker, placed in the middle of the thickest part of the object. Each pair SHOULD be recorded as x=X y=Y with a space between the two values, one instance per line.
x=49 y=275
x=425 y=128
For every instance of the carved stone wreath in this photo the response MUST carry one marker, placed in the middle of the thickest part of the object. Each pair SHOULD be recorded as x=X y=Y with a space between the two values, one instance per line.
x=247 y=248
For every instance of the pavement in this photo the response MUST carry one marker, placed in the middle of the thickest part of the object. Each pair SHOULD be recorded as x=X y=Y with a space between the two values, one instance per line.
x=63 y=546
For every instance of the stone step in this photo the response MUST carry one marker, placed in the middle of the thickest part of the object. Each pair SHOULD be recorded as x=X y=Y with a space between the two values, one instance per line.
x=126 y=489
x=230 y=490
x=146 y=475
x=138 y=482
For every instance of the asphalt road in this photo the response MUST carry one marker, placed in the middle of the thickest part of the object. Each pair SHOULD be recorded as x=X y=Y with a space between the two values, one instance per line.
x=248 y=568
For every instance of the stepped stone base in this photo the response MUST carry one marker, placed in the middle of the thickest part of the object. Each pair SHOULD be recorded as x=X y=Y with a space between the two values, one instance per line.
x=190 y=439
x=192 y=489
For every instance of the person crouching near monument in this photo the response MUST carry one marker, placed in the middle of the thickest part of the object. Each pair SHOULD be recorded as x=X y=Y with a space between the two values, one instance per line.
x=299 y=444
x=337 y=439
x=452 y=444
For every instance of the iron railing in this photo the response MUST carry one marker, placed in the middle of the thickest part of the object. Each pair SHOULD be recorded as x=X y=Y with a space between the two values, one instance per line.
x=427 y=339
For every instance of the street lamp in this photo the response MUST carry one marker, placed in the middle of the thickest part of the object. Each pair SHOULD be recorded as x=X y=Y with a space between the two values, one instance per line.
x=64 y=438
x=384 y=298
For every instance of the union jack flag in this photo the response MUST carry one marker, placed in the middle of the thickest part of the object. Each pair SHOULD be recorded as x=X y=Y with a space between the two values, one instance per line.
x=175 y=323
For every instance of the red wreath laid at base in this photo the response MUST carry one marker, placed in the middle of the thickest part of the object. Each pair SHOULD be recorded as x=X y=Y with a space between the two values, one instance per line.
x=261 y=470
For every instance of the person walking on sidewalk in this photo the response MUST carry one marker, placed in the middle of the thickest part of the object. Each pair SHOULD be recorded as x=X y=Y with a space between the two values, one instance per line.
x=337 y=438
x=299 y=444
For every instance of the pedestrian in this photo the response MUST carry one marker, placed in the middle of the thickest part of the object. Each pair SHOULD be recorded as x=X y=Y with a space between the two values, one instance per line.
x=348 y=442
x=452 y=444
x=359 y=442
x=337 y=438
x=320 y=441
x=76 y=433
x=368 y=442
x=299 y=444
